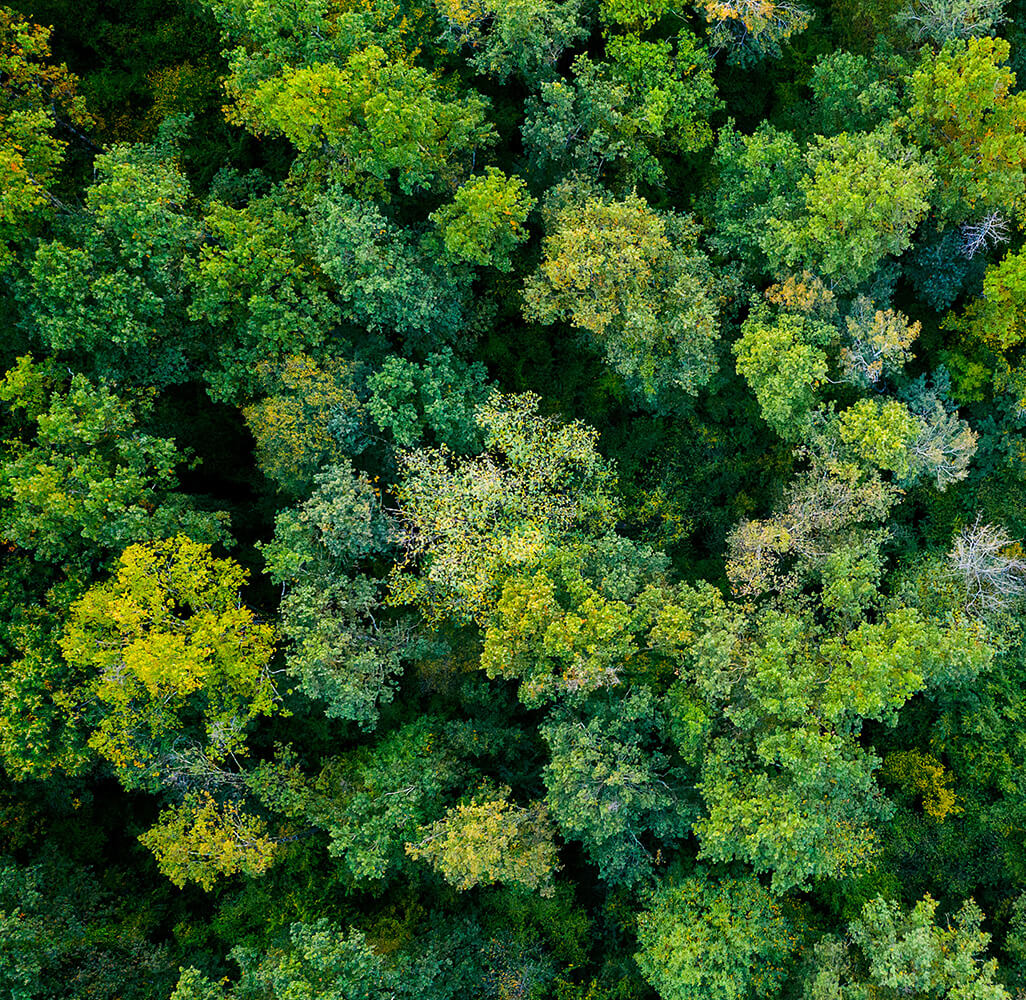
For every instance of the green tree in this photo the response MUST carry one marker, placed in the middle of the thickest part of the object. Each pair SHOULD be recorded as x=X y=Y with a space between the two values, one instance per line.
x=905 y=953
x=256 y=281
x=962 y=105
x=522 y=38
x=37 y=95
x=171 y=652
x=612 y=789
x=438 y=398
x=485 y=220
x=111 y=287
x=372 y=115
x=343 y=648
x=488 y=839
x=638 y=284
x=468 y=523
x=865 y=195
x=651 y=100
x=82 y=480
x=721 y=939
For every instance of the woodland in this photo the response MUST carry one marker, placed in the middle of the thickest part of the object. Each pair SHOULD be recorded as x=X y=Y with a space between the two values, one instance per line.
x=513 y=500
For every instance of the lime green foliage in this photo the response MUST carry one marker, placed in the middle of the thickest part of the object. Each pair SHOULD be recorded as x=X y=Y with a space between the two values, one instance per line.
x=782 y=362
x=343 y=649
x=439 y=396
x=374 y=116
x=905 y=953
x=257 y=280
x=566 y=624
x=172 y=652
x=34 y=92
x=637 y=283
x=865 y=194
x=82 y=481
x=471 y=522
x=708 y=939
x=310 y=418
x=636 y=14
x=998 y=317
x=882 y=432
x=201 y=840
x=484 y=222
x=650 y=99
x=962 y=105
x=889 y=435
x=489 y=839
x=790 y=791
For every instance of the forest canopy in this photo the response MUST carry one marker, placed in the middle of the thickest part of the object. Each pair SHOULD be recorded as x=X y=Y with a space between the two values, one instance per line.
x=513 y=501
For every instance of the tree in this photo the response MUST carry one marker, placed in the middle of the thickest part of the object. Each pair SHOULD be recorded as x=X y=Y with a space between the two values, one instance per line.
x=312 y=961
x=962 y=106
x=941 y=20
x=522 y=38
x=466 y=524
x=257 y=281
x=485 y=220
x=756 y=180
x=865 y=195
x=610 y=788
x=749 y=30
x=990 y=564
x=488 y=839
x=37 y=96
x=651 y=99
x=111 y=287
x=437 y=398
x=342 y=650
x=201 y=840
x=169 y=648
x=784 y=363
x=567 y=623
x=386 y=280
x=904 y=953
x=83 y=481
x=372 y=115
x=637 y=282
x=721 y=939
x=311 y=417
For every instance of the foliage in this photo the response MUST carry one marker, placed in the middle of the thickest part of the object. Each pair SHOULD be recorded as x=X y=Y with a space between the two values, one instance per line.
x=961 y=104
x=488 y=840
x=83 y=481
x=485 y=221
x=638 y=284
x=308 y=420
x=169 y=645
x=722 y=939
x=201 y=840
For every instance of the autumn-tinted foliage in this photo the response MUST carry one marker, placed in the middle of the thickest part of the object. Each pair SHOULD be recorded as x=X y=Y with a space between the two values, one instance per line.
x=512 y=500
